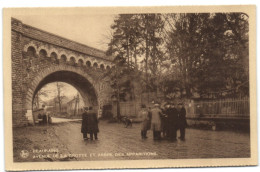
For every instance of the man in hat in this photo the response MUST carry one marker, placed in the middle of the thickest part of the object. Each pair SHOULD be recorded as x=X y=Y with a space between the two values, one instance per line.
x=182 y=120
x=92 y=124
x=173 y=122
x=84 y=129
x=165 y=121
x=156 y=121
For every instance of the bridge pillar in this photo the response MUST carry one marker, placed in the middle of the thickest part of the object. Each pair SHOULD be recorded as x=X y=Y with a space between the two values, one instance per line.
x=29 y=116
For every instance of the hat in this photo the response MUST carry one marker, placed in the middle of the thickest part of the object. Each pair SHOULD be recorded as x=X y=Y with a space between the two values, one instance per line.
x=85 y=108
x=156 y=104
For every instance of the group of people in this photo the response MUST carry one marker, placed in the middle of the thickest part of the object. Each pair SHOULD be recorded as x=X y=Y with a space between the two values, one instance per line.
x=89 y=124
x=163 y=121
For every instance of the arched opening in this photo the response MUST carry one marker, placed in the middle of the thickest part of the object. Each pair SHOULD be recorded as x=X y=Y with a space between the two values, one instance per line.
x=54 y=57
x=80 y=62
x=63 y=59
x=108 y=67
x=42 y=53
x=95 y=65
x=72 y=61
x=102 y=67
x=88 y=64
x=60 y=100
x=79 y=82
x=31 y=51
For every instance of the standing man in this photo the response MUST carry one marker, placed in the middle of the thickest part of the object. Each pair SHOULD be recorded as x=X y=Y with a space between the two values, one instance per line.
x=182 y=120
x=173 y=122
x=144 y=116
x=165 y=121
x=92 y=124
x=44 y=115
x=156 y=123
x=84 y=129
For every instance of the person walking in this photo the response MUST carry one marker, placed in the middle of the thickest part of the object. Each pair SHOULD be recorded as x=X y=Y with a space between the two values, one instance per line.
x=156 y=121
x=84 y=124
x=92 y=124
x=182 y=120
x=144 y=117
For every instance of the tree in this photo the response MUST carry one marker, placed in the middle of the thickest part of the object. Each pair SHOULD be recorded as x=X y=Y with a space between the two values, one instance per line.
x=37 y=99
x=120 y=77
x=60 y=96
x=138 y=36
x=205 y=49
x=152 y=27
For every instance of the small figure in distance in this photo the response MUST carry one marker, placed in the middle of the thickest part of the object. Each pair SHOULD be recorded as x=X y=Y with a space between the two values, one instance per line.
x=84 y=124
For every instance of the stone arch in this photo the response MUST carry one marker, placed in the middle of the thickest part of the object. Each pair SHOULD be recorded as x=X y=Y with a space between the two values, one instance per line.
x=43 y=53
x=31 y=44
x=42 y=47
x=84 y=83
x=31 y=51
x=108 y=67
x=80 y=62
x=53 y=50
x=63 y=58
x=88 y=63
x=95 y=65
x=62 y=53
x=54 y=56
x=102 y=67
x=72 y=60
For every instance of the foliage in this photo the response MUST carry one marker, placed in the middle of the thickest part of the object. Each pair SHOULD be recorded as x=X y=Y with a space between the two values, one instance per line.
x=182 y=54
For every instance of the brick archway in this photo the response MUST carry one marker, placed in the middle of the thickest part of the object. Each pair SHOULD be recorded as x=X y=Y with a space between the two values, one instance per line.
x=40 y=57
x=76 y=77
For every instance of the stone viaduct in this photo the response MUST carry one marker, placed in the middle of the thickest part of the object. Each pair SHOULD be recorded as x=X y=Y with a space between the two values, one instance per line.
x=39 y=58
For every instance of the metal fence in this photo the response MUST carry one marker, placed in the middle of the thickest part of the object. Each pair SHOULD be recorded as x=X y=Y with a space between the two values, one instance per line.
x=232 y=107
x=225 y=107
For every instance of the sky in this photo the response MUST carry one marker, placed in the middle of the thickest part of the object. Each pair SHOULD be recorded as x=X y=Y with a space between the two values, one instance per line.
x=51 y=88
x=91 y=30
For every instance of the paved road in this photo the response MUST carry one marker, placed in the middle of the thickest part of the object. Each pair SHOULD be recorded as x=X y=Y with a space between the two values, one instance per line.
x=117 y=142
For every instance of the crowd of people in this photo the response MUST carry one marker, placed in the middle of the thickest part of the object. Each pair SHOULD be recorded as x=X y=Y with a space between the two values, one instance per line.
x=164 y=122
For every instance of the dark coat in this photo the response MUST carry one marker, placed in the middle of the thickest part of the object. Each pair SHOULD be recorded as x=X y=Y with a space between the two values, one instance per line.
x=84 y=123
x=172 y=121
x=92 y=123
x=182 y=117
x=164 y=119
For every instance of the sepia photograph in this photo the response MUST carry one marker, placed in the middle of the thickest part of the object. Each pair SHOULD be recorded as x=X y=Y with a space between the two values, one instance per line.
x=103 y=85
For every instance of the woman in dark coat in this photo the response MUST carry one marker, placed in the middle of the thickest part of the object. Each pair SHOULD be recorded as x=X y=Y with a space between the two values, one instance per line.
x=84 y=129
x=92 y=124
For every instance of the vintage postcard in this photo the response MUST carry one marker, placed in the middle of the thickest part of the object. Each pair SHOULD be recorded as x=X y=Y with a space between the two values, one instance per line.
x=129 y=87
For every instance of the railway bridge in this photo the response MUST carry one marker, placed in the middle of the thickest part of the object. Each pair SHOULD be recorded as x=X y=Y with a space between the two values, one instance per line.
x=39 y=57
